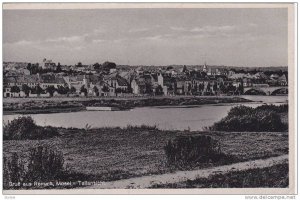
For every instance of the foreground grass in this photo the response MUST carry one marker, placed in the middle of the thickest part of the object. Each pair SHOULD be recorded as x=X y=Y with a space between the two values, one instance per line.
x=276 y=176
x=108 y=154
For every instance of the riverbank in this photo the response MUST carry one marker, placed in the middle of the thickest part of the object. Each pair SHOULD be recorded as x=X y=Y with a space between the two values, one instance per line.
x=57 y=105
x=109 y=154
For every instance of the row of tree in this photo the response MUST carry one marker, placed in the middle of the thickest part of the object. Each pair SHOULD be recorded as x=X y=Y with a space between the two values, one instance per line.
x=38 y=90
x=35 y=68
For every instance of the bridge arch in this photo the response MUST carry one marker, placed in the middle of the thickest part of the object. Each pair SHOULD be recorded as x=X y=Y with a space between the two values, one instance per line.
x=254 y=91
x=280 y=91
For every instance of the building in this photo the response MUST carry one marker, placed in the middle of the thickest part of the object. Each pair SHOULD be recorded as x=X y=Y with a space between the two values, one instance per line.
x=183 y=85
x=30 y=80
x=138 y=86
x=18 y=72
x=116 y=81
x=76 y=82
x=48 y=64
x=48 y=80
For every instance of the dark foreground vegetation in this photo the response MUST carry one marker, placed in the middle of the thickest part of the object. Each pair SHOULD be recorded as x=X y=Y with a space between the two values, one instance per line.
x=276 y=176
x=262 y=118
x=29 y=106
x=24 y=128
x=109 y=154
x=195 y=150
x=44 y=164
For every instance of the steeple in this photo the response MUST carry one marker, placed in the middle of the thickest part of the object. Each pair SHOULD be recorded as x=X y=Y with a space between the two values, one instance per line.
x=204 y=67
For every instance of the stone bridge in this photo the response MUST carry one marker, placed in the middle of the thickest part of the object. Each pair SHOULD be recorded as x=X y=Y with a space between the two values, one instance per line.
x=266 y=90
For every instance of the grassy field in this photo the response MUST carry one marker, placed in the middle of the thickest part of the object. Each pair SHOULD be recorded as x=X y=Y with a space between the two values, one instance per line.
x=114 y=153
x=276 y=176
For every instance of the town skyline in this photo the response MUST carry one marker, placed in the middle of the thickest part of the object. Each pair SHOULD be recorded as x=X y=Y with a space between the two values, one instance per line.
x=138 y=65
x=149 y=37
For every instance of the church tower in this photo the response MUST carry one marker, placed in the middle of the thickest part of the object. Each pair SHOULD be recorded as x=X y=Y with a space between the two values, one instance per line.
x=205 y=67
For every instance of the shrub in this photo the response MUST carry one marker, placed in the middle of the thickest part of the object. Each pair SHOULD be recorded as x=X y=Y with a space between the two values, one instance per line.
x=141 y=127
x=193 y=149
x=13 y=170
x=242 y=118
x=20 y=128
x=45 y=163
x=24 y=127
x=277 y=109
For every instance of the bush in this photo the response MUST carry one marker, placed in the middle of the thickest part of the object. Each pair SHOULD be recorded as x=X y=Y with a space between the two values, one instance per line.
x=19 y=128
x=24 y=127
x=189 y=150
x=141 y=127
x=243 y=119
x=43 y=164
x=277 y=109
x=13 y=170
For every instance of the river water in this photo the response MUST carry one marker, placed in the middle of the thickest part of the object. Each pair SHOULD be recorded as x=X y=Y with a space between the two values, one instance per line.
x=167 y=118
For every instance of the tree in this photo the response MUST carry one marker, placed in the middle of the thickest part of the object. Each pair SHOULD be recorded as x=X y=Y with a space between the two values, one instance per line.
x=29 y=67
x=241 y=88
x=118 y=90
x=201 y=87
x=208 y=87
x=51 y=89
x=129 y=89
x=105 y=88
x=189 y=87
x=73 y=90
x=26 y=89
x=184 y=69
x=38 y=89
x=222 y=87
x=159 y=90
x=96 y=90
x=15 y=89
x=148 y=89
x=97 y=66
x=83 y=90
x=79 y=64
x=62 y=90
x=171 y=87
x=108 y=65
x=195 y=89
x=58 y=68
x=231 y=88
x=215 y=87
x=33 y=68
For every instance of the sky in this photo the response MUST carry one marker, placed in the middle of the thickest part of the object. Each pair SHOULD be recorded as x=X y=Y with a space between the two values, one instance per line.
x=232 y=36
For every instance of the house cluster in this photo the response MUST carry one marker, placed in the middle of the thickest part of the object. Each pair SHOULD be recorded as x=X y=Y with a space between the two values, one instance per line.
x=20 y=80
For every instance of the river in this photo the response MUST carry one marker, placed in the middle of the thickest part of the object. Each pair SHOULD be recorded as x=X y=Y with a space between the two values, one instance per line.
x=167 y=118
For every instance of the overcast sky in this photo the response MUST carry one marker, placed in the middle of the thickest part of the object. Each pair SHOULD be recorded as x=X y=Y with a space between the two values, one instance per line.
x=240 y=37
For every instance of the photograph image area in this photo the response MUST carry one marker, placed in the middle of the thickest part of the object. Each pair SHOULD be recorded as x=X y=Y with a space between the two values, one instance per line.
x=153 y=98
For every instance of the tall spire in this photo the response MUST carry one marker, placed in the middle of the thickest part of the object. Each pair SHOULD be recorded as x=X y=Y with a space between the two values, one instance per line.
x=204 y=67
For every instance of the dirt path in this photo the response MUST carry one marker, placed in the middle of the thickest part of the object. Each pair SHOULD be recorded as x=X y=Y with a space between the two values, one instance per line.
x=147 y=181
